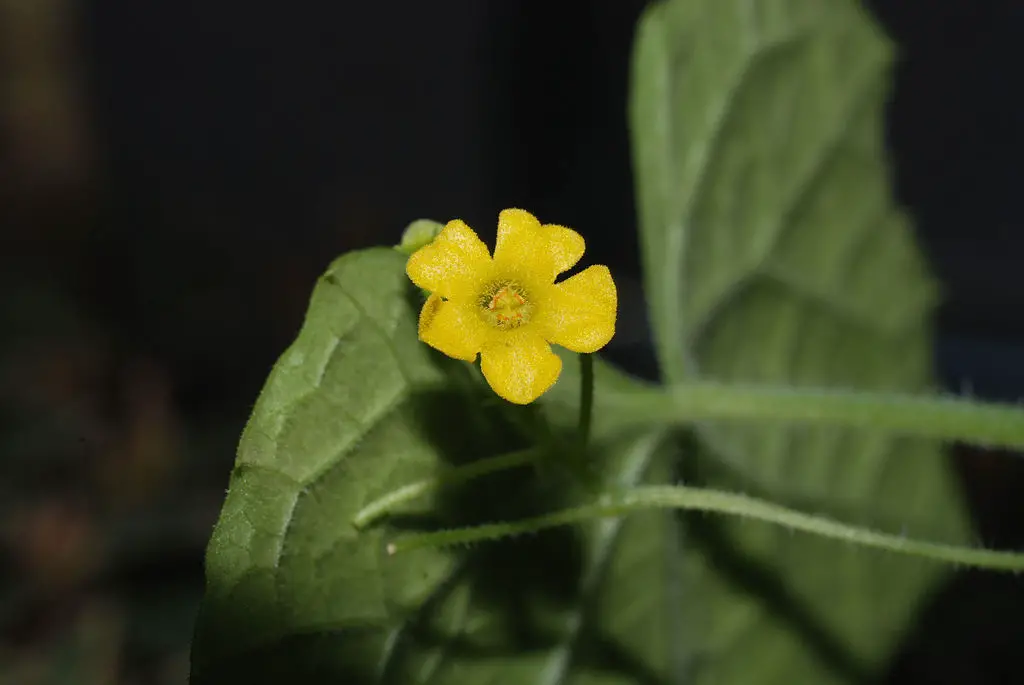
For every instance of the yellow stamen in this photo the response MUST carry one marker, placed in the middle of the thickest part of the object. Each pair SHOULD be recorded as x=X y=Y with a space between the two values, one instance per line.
x=505 y=306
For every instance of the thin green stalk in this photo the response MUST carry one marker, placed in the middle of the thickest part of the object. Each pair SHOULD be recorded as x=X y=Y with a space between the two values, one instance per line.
x=946 y=418
x=586 y=398
x=716 y=501
x=396 y=498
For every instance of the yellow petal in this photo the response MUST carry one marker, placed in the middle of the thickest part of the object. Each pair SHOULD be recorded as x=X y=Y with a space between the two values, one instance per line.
x=453 y=264
x=519 y=366
x=452 y=328
x=525 y=246
x=579 y=313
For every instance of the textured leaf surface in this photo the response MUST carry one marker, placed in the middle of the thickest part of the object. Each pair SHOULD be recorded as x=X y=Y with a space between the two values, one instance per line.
x=773 y=253
x=358 y=406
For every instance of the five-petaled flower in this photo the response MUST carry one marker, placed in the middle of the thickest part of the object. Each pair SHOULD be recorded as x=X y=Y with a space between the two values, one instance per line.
x=509 y=308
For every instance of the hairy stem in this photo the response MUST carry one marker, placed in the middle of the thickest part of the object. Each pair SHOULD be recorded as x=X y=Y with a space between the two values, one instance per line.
x=717 y=501
x=396 y=498
x=586 y=397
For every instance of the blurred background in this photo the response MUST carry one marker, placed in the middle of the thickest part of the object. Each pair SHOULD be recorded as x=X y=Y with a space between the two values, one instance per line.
x=175 y=174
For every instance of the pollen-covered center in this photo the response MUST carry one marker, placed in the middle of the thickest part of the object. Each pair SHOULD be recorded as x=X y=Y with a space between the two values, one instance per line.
x=505 y=305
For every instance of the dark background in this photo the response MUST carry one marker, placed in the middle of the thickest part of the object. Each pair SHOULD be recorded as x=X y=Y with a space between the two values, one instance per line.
x=174 y=175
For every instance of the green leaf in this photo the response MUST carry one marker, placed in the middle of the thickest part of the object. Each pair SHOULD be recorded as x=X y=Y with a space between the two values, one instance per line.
x=773 y=253
x=356 y=407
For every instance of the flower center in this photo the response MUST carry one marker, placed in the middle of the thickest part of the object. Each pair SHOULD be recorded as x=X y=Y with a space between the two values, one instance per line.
x=505 y=305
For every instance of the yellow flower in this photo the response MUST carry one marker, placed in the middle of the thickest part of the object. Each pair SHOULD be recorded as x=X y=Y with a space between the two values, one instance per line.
x=509 y=308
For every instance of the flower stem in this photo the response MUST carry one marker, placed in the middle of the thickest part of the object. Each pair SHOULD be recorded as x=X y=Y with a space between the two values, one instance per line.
x=387 y=503
x=939 y=417
x=720 y=502
x=586 y=398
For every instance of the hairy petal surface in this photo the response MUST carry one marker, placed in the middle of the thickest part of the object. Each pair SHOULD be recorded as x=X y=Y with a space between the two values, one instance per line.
x=453 y=264
x=519 y=365
x=525 y=246
x=579 y=313
x=452 y=328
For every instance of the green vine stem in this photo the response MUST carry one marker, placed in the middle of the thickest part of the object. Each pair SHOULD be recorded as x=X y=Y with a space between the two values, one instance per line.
x=586 y=397
x=947 y=418
x=396 y=498
x=716 y=501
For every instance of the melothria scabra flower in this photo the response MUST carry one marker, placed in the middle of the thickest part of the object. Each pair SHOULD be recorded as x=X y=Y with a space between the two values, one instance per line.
x=508 y=309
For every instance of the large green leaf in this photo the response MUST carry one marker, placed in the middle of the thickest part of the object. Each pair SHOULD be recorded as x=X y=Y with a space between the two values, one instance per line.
x=358 y=406
x=773 y=253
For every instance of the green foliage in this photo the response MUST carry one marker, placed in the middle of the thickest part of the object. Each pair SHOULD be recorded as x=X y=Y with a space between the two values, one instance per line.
x=356 y=407
x=773 y=254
